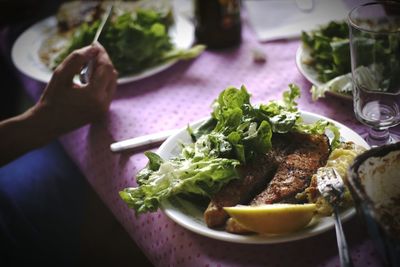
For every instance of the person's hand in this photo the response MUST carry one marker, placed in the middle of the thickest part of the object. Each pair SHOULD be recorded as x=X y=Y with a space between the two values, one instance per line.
x=65 y=105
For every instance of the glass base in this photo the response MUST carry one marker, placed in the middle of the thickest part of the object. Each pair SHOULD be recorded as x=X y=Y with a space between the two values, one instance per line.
x=376 y=137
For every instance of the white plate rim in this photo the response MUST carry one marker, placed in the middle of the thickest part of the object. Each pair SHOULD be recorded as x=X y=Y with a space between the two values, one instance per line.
x=24 y=52
x=309 y=73
x=170 y=148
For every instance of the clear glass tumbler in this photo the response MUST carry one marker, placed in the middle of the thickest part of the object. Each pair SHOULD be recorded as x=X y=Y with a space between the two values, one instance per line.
x=375 y=63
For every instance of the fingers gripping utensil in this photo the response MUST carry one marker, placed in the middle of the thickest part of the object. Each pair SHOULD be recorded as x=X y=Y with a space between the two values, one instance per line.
x=331 y=187
x=86 y=71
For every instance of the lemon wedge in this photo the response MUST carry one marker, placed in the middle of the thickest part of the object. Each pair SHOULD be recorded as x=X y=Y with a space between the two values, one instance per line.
x=273 y=218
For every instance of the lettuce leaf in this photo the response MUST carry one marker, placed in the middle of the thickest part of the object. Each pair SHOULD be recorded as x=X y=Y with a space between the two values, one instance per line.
x=283 y=115
x=329 y=45
x=192 y=175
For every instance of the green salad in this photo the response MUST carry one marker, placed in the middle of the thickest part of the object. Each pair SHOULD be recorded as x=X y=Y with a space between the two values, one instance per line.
x=329 y=50
x=329 y=47
x=236 y=133
x=135 y=41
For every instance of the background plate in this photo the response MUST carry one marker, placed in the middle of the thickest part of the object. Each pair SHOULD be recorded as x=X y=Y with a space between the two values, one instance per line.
x=25 y=51
x=309 y=72
x=190 y=216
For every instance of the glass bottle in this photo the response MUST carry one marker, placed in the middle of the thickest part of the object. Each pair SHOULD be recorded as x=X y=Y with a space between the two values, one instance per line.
x=218 y=23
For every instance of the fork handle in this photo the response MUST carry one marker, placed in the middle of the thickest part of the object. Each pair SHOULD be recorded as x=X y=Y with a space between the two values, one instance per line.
x=345 y=259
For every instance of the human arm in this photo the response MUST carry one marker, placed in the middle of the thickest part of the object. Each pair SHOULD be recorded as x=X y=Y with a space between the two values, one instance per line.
x=63 y=106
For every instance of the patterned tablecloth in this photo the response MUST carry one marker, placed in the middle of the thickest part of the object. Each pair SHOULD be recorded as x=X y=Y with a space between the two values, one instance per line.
x=172 y=99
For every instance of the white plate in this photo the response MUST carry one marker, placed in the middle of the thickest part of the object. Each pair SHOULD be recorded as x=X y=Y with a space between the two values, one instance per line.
x=25 y=51
x=303 y=54
x=190 y=216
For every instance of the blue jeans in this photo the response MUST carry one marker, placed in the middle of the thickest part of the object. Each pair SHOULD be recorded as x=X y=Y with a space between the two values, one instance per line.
x=42 y=196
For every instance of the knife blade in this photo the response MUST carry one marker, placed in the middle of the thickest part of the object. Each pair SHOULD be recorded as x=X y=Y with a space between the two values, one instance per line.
x=86 y=71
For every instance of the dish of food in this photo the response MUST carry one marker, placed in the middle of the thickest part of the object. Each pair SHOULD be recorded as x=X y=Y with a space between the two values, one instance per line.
x=36 y=49
x=253 y=155
x=324 y=59
x=191 y=216
x=319 y=89
x=375 y=186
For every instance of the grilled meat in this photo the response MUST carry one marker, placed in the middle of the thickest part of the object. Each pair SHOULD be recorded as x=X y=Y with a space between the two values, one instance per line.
x=294 y=173
x=286 y=169
x=255 y=177
x=74 y=13
x=233 y=226
x=240 y=190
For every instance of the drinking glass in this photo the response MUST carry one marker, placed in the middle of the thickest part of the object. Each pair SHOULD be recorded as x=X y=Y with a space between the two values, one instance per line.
x=375 y=65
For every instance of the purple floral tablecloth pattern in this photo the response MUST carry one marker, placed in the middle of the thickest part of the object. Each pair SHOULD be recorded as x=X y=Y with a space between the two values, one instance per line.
x=172 y=99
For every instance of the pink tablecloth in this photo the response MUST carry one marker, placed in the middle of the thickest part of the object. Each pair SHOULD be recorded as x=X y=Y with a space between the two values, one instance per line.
x=172 y=99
